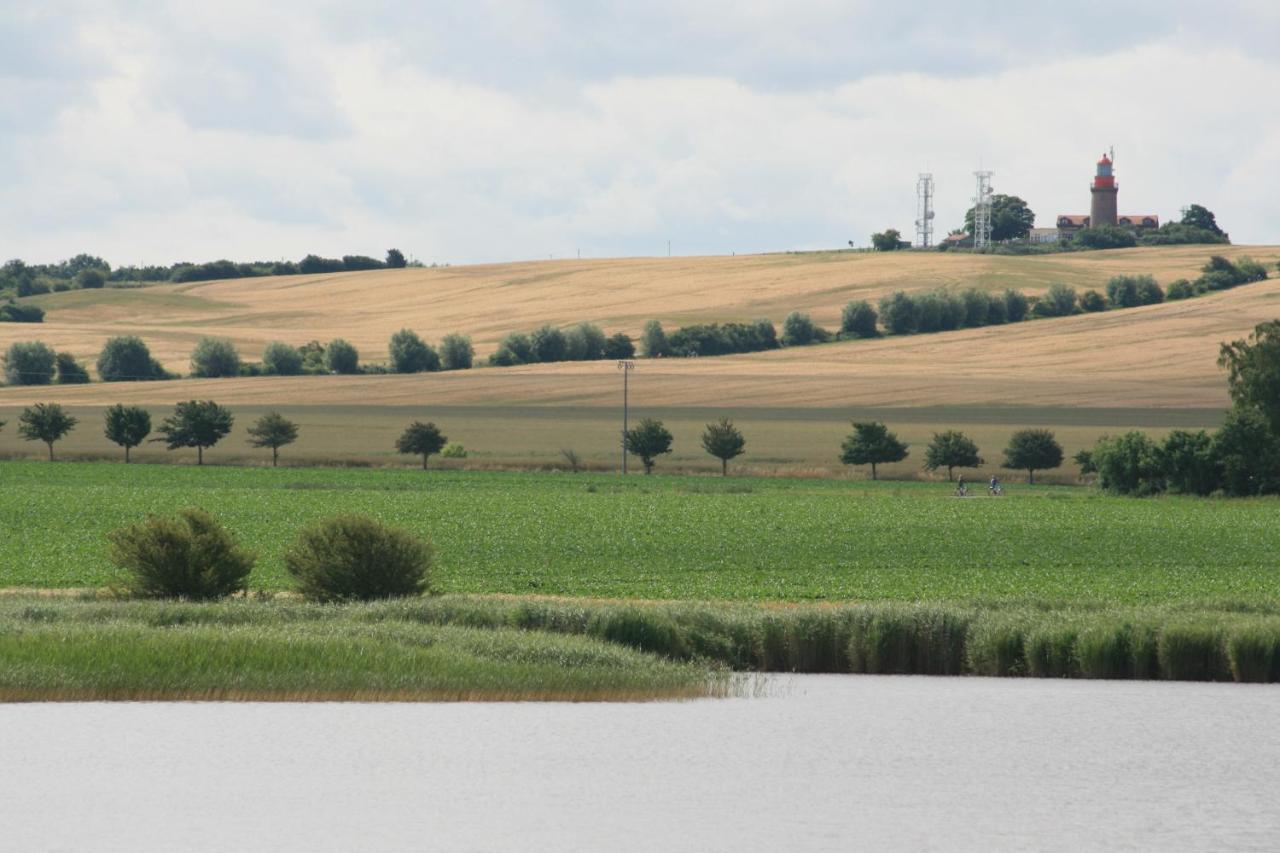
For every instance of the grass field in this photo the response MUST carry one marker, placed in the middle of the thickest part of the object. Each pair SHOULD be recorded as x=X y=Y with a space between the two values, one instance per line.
x=676 y=537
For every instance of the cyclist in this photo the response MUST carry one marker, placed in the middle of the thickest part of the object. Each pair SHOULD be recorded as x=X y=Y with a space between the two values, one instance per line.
x=994 y=486
x=961 y=489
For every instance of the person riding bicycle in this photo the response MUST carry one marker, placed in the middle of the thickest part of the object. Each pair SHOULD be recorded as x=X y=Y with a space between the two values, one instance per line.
x=994 y=486
x=961 y=489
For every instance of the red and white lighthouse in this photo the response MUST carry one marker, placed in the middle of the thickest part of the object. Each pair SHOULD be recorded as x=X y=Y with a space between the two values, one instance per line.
x=1104 y=189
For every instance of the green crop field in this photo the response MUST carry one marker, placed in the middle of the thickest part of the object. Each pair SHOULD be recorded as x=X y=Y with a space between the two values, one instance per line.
x=674 y=537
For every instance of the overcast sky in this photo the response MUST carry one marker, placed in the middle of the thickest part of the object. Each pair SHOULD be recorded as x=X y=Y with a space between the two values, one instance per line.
x=151 y=132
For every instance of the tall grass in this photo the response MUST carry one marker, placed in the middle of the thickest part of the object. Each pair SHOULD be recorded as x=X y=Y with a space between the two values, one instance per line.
x=461 y=647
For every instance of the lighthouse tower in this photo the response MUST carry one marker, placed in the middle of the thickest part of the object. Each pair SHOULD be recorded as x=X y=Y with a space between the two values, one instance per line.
x=1103 y=209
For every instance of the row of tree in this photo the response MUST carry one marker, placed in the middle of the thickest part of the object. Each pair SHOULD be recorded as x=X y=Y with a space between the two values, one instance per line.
x=1241 y=458
x=198 y=424
x=89 y=272
x=583 y=342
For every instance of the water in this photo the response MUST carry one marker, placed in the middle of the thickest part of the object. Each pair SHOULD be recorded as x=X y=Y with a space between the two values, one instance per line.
x=821 y=763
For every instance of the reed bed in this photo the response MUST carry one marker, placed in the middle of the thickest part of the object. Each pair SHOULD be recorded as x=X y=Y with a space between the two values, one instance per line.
x=522 y=648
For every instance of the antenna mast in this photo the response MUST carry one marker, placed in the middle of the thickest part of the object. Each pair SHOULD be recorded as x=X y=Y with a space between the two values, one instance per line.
x=982 y=210
x=924 y=210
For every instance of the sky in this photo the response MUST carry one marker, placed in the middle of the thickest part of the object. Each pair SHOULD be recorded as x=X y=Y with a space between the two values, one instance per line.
x=155 y=132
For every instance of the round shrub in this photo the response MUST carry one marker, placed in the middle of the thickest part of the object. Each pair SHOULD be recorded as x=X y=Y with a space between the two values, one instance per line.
x=192 y=556
x=281 y=359
x=214 y=358
x=342 y=357
x=355 y=558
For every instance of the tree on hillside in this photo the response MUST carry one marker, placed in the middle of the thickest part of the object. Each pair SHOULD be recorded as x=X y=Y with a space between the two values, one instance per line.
x=395 y=259
x=273 y=430
x=888 y=240
x=899 y=313
x=1201 y=217
x=421 y=439
x=1248 y=451
x=127 y=426
x=215 y=358
x=342 y=357
x=1032 y=450
x=859 y=319
x=653 y=343
x=1011 y=219
x=456 y=352
x=1253 y=371
x=197 y=424
x=1059 y=301
x=70 y=371
x=409 y=354
x=281 y=359
x=871 y=443
x=45 y=422
x=724 y=441
x=127 y=358
x=951 y=449
x=619 y=346
x=549 y=344
x=648 y=440
x=91 y=278
x=29 y=363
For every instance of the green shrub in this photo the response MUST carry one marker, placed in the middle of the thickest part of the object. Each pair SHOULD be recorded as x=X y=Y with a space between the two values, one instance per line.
x=647 y=630
x=997 y=647
x=1059 y=301
x=191 y=556
x=29 y=363
x=127 y=358
x=1091 y=301
x=456 y=352
x=409 y=354
x=858 y=319
x=70 y=371
x=354 y=558
x=798 y=329
x=342 y=357
x=214 y=358
x=281 y=359
x=1180 y=289
x=454 y=451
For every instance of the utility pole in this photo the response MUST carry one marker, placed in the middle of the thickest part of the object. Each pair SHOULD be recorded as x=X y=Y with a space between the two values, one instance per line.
x=626 y=365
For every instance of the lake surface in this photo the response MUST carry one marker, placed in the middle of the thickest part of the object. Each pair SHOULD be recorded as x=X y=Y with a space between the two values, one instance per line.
x=818 y=762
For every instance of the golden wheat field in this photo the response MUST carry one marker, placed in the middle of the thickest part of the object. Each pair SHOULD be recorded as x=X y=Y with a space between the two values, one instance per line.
x=1089 y=374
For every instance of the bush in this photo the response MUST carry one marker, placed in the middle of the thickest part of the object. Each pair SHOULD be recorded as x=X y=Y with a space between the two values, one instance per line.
x=798 y=330
x=619 y=346
x=70 y=371
x=192 y=556
x=515 y=348
x=1251 y=270
x=454 y=451
x=1104 y=237
x=997 y=310
x=653 y=343
x=29 y=364
x=214 y=358
x=549 y=344
x=898 y=313
x=409 y=354
x=361 y=262
x=456 y=352
x=1059 y=301
x=1130 y=464
x=722 y=339
x=342 y=357
x=354 y=558
x=12 y=312
x=1189 y=464
x=1180 y=289
x=316 y=264
x=127 y=358
x=281 y=359
x=1016 y=305
x=858 y=319
x=1092 y=301
x=584 y=342
x=91 y=279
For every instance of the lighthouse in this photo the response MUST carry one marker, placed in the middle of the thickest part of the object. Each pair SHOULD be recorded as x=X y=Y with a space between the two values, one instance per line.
x=1102 y=211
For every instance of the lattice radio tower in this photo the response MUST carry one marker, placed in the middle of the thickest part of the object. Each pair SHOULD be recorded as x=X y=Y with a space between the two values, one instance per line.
x=924 y=210
x=982 y=210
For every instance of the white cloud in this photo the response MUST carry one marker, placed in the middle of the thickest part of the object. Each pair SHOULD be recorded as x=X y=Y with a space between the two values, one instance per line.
x=256 y=131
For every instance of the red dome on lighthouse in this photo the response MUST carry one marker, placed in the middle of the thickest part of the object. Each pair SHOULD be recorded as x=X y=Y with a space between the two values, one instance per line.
x=1105 y=161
